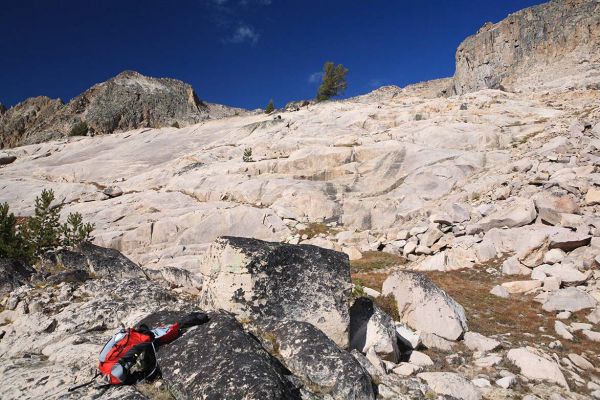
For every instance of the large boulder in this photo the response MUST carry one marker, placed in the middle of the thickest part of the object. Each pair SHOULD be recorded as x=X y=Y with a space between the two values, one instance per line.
x=424 y=306
x=513 y=213
x=219 y=360
x=371 y=327
x=323 y=368
x=255 y=279
x=98 y=261
x=534 y=366
x=13 y=273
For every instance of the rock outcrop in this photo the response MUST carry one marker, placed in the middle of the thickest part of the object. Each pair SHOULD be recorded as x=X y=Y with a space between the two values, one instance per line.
x=555 y=44
x=219 y=360
x=255 y=279
x=128 y=101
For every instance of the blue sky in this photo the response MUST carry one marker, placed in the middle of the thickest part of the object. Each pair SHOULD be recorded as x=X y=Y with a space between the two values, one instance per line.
x=234 y=52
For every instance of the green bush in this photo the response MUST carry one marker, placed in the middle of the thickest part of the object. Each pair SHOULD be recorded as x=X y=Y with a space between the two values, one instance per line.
x=80 y=129
x=270 y=107
x=333 y=82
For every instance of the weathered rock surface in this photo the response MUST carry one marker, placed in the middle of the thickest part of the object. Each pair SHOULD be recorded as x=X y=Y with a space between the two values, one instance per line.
x=424 y=306
x=537 y=47
x=219 y=360
x=255 y=279
x=316 y=360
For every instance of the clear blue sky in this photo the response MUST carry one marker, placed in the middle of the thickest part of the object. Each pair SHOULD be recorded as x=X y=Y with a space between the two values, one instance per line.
x=235 y=52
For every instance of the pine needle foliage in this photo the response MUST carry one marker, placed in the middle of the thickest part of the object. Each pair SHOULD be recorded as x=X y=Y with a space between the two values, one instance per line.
x=333 y=82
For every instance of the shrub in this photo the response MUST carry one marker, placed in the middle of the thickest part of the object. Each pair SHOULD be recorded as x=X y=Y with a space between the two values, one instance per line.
x=333 y=82
x=79 y=129
x=175 y=125
x=270 y=107
x=247 y=157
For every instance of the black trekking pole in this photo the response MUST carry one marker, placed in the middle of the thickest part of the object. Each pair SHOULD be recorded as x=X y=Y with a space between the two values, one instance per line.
x=72 y=388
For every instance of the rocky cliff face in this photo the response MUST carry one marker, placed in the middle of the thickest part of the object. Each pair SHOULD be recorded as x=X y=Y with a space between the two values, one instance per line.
x=556 y=44
x=27 y=121
x=128 y=101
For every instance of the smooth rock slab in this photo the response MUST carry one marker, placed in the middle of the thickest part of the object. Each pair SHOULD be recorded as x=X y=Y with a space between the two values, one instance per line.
x=424 y=306
x=451 y=384
x=569 y=299
x=535 y=367
x=255 y=279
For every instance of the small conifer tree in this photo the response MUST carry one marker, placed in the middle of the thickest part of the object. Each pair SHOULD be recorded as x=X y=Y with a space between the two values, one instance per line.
x=74 y=231
x=333 y=82
x=43 y=228
x=270 y=107
x=247 y=157
x=12 y=244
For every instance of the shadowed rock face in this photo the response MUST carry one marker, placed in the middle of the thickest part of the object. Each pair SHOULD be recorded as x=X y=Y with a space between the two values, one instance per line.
x=547 y=45
x=128 y=101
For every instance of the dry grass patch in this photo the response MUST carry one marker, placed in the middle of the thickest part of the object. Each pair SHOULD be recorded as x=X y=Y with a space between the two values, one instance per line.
x=375 y=260
x=373 y=280
x=317 y=228
x=519 y=319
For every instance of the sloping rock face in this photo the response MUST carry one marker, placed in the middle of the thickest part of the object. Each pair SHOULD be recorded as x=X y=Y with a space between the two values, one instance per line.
x=255 y=279
x=542 y=46
x=128 y=101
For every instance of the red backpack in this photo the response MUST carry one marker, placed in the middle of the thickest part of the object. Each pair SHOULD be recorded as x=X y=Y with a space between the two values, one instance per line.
x=130 y=355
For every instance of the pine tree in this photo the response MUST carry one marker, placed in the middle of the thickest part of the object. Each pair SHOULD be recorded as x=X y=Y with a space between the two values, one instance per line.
x=74 y=231
x=333 y=82
x=270 y=107
x=12 y=244
x=43 y=228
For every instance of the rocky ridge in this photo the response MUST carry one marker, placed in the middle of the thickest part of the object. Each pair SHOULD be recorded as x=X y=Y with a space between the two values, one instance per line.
x=128 y=101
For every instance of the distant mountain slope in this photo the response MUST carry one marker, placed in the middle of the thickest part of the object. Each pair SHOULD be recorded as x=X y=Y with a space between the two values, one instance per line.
x=556 y=44
x=128 y=101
